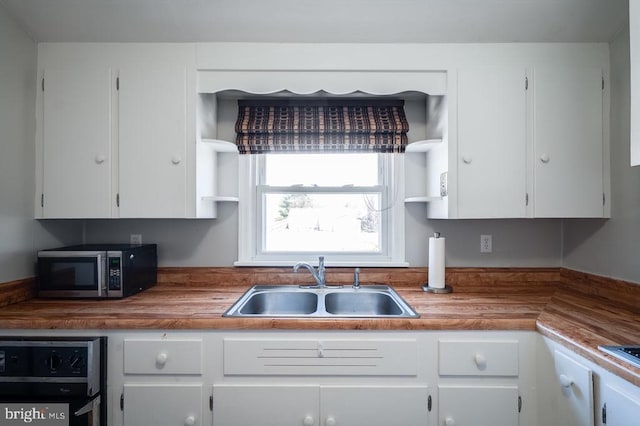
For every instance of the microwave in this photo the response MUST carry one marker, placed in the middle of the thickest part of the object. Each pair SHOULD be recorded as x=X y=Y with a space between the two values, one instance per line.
x=97 y=270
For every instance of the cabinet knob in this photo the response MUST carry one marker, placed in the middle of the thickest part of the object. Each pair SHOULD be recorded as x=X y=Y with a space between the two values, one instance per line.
x=308 y=421
x=466 y=159
x=330 y=422
x=176 y=159
x=161 y=359
x=189 y=421
x=566 y=381
x=481 y=361
x=545 y=158
x=100 y=159
x=449 y=421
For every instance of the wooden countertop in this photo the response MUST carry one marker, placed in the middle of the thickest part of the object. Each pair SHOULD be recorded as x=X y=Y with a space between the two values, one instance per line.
x=578 y=310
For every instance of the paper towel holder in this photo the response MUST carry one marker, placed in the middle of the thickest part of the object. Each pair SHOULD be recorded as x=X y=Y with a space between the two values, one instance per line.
x=436 y=290
x=445 y=290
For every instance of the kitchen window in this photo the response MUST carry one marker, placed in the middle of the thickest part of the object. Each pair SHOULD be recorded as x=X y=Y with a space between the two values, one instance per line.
x=345 y=206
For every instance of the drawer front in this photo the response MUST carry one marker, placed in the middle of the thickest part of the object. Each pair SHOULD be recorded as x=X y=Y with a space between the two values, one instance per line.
x=478 y=357
x=353 y=357
x=155 y=356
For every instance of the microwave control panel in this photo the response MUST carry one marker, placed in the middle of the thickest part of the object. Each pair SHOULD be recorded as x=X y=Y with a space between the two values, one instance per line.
x=114 y=272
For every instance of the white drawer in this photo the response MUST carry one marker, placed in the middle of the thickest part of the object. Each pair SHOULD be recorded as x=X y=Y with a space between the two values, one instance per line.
x=157 y=356
x=318 y=357
x=478 y=357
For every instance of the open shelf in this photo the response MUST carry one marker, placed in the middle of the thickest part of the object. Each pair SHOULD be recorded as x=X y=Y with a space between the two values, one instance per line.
x=422 y=145
x=221 y=146
x=424 y=199
x=221 y=198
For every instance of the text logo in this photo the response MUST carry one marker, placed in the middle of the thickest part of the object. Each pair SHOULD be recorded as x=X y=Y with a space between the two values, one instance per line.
x=34 y=414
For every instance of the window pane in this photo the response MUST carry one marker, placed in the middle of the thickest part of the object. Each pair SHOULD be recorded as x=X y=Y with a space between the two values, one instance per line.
x=322 y=222
x=321 y=169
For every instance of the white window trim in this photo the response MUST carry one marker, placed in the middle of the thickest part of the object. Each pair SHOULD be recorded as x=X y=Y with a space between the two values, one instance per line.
x=249 y=253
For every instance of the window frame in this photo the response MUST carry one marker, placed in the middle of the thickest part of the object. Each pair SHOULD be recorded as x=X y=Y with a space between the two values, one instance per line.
x=251 y=229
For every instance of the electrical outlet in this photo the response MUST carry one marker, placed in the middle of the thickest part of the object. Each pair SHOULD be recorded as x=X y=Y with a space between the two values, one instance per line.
x=135 y=239
x=444 y=191
x=486 y=244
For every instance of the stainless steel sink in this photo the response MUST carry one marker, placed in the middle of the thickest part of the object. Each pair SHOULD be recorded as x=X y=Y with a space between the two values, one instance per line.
x=361 y=303
x=371 y=301
x=276 y=302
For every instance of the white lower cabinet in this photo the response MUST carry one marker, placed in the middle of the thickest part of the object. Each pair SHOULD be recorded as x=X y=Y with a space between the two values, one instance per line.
x=162 y=404
x=319 y=405
x=374 y=405
x=363 y=379
x=471 y=405
x=359 y=378
x=573 y=391
x=159 y=380
x=266 y=405
x=479 y=381
x=620 y=407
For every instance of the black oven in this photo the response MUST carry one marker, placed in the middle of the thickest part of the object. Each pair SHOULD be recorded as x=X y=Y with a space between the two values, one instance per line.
x=53 y=381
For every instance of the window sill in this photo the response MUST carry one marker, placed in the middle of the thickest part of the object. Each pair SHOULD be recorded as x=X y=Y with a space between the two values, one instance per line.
x=335 y=264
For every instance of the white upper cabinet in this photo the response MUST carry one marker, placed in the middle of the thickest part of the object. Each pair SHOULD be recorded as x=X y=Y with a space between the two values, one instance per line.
x=492 y=138
x=634 y=35
x=568 y=142
x=525 y=139
x=75 y=139
x=113 y=132
x=121 y=132
x=153 y=141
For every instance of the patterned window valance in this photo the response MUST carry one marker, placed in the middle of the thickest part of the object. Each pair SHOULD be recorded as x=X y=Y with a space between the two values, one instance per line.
x=328 y=125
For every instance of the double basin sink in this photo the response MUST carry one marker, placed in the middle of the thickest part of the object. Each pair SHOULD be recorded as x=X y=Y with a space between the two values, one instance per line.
x=370 y=301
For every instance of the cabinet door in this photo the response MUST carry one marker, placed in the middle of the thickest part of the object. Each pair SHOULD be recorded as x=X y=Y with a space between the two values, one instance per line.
x=634 y=35
x=76 y=138
x=162 y=405
x=621 y=408
x=575 y=392
x=568 y=142
x=152 y=141
x=242 y=405
x=478 y=405
x=492 y=143
x=374 y=405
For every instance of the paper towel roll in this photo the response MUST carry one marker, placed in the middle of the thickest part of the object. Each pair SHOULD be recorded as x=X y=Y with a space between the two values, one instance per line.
x=436 y=262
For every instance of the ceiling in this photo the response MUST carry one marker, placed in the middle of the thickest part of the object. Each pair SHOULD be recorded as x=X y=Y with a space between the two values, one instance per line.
x=320 y=21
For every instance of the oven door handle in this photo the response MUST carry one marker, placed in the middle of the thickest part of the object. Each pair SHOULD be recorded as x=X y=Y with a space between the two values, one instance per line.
x=88 y=407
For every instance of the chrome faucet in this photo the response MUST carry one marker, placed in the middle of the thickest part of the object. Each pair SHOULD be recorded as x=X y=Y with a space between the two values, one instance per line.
x=356 y=278
x=318 y=276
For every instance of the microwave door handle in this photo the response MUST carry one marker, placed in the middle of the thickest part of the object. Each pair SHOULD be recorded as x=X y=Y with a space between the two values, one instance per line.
x=88 y=407
x=102 y=275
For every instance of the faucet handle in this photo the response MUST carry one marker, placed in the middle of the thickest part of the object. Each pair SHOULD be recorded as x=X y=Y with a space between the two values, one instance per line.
x=320 y=260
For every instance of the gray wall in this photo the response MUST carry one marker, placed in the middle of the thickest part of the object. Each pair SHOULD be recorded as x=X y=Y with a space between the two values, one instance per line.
x=20 y=235
x=534 y=243
x=612 y=247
